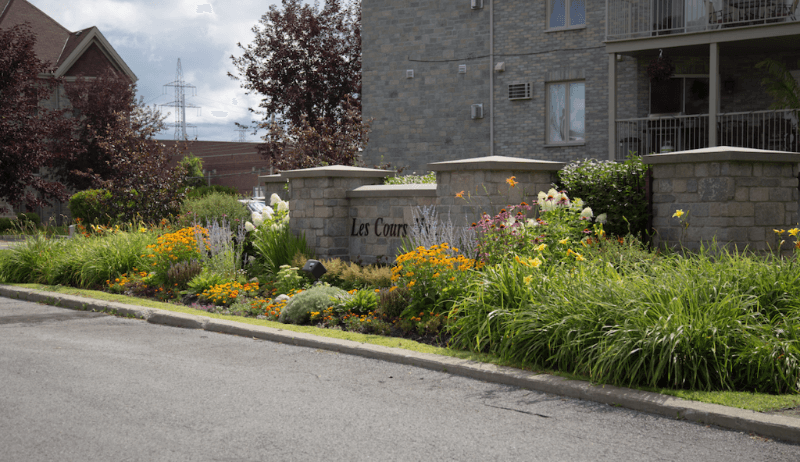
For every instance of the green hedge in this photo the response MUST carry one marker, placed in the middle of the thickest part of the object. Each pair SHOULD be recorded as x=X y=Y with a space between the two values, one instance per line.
x=88 y=206
x=617 y=189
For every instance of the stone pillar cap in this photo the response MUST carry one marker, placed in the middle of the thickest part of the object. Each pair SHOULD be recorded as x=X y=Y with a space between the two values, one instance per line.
x=722 y=154
x=337 y=171
x=496 y=163
x=276 y=178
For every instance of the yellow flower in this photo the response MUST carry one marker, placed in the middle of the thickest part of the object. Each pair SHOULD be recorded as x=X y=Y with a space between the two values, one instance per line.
x=678 y=213
x=564 y=241
x=527 y=279
x=779 y=231
x=460 y=195
x=541 y=247
x=411 y=284
x=794 y=231
x=535 y=262
x=511 y=181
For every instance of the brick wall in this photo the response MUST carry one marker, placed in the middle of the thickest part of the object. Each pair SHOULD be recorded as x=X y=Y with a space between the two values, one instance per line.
x=427 y=118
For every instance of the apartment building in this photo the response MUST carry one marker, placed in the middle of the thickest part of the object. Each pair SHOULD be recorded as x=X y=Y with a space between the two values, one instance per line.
x=568 y=79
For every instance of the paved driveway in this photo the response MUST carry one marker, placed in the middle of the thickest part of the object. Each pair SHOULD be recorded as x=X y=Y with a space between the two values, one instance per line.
x=87 y=386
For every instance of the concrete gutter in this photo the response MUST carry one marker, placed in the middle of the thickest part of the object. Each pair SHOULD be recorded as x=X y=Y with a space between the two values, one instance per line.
x=767 y=425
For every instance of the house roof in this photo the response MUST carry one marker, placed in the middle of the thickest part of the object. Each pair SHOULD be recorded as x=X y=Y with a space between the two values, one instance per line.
x=60 y=47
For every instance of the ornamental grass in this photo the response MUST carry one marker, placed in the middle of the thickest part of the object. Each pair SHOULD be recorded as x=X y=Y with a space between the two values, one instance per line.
x=711 y=321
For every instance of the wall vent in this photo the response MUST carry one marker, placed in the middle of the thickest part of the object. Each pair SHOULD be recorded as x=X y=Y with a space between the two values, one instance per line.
x=477 y=111
x=519 y=91
x=410 y=74
x=477 y=4
x=462 y=68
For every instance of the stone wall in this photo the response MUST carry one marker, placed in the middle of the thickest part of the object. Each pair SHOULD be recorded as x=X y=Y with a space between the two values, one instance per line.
x=345 y=212
x=736 y=196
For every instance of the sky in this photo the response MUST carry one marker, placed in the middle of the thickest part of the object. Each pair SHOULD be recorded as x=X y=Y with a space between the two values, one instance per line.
x=151 y=36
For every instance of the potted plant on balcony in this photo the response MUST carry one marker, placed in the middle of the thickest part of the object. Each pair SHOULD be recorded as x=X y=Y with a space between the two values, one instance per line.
x=660 y=69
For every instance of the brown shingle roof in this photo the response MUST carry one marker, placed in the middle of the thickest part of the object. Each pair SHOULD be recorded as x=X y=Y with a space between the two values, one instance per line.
x=50 y=35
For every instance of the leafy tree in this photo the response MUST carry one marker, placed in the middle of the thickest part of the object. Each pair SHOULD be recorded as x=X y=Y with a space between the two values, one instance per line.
x=306 y=62
x=143 y=183
x=96 y=103
x=193 y=168
x=28 y=132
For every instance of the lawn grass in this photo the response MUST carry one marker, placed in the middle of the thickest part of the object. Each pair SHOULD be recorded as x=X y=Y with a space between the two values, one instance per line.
x=759 y=402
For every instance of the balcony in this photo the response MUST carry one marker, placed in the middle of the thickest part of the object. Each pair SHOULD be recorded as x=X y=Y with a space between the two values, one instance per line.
x=770 y=130
x=632 y=19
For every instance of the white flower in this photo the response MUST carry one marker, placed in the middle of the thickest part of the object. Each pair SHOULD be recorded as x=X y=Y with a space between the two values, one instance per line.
x=531 y=222
x=542 y=196
x=274 y=198
x=282 y=206
x=256 y=219
x=552 y=194
x=266 y=213
x=249 y=226
x=548 y=206
x=587 y=214
x=510 y=222
x=602 y=218
x=578 y=203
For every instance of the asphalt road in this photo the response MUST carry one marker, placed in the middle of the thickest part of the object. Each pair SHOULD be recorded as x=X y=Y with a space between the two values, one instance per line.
x=88 y=386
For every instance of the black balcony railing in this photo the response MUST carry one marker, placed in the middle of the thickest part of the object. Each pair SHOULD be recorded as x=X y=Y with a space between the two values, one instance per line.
x=769 y=130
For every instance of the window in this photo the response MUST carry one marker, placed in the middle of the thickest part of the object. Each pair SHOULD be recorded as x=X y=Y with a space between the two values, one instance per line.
x=566 y=112
x=566 y=13
x=680 y=95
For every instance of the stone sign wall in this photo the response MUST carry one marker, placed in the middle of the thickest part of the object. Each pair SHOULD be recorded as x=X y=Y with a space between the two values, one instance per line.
x=736 y=196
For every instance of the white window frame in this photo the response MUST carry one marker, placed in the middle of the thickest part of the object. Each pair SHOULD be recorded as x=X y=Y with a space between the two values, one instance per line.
x=567 y=5
x=567 y=106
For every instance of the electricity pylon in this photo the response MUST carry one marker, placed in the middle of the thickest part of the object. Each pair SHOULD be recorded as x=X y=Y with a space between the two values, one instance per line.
x=180 y=103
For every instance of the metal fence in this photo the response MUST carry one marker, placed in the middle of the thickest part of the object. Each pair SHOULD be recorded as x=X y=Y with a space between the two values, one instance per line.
x=644 y=18
x=770 y=130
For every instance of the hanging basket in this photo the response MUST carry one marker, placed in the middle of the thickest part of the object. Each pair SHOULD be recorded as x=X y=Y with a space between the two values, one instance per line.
x=660 y=69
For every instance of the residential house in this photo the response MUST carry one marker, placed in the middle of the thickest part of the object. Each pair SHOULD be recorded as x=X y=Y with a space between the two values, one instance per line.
x=567 y=79
x=70 y=54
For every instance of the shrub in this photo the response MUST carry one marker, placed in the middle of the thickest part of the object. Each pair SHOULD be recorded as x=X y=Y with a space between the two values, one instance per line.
x=7 y=224
x=349 y=275
x=317 y=298
x=202 y=191
x=616 y=189
x=214 y=206
x=204 y=281
x=563 y=226
x=360 y=302
x=393 y=301
x=428 y=178
x=288 y=279
x=434 y=278
x=29 y=219
x=172 y=248
x=89 y=208
x=226 y=293
x=275 y=245
x=179 y=274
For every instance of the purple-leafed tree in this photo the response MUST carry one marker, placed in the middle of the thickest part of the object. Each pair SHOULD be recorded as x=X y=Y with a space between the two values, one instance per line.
x=32 y=138
x=305 y=62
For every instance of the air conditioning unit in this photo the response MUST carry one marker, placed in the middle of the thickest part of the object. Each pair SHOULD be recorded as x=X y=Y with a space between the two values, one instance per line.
x=477 y=4
x=410 y=74
x=477 y=111
x=519 y=91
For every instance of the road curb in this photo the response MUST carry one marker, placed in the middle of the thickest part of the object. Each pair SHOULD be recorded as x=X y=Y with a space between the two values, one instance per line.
x=768 y=425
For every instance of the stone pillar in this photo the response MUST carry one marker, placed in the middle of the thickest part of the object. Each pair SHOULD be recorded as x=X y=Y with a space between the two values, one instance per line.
x=319 y=207
x=485 y=186
x=275 y=184
x=734 y=195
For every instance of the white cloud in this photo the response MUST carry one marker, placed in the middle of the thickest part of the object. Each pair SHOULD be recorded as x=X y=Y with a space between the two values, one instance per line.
x=151 y=35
